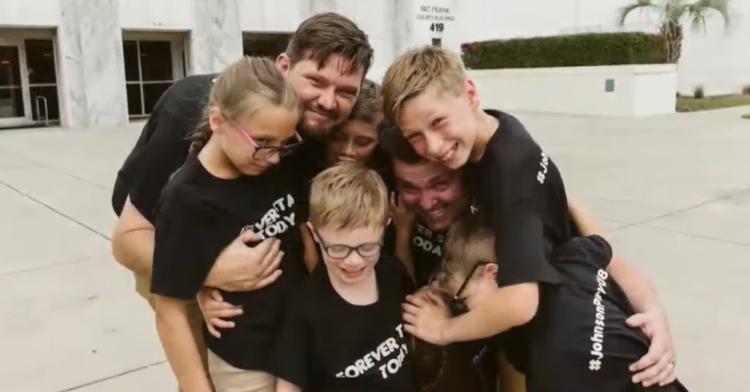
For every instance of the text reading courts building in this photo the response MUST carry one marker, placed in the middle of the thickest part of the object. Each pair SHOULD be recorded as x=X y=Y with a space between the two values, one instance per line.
x=84 y=63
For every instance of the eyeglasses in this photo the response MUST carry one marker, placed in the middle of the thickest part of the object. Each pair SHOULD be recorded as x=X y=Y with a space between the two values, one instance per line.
x=341 y=251
x=457 y=306
x=266 y=152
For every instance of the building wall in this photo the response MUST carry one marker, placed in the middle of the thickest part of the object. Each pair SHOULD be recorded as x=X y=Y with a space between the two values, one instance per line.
x=89 y=36
x=717 y=59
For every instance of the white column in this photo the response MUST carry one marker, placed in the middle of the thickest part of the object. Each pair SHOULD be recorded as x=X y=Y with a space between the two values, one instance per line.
x=91 y=66
x=216 y=38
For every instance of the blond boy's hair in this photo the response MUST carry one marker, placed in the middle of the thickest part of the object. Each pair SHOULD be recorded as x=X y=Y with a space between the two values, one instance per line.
x=348 y=196
x=467 y=243
x=415 y=71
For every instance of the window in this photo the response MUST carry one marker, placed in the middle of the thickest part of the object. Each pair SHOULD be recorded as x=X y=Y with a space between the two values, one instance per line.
x=265 y=44
x=11 y=92
x=148 y=73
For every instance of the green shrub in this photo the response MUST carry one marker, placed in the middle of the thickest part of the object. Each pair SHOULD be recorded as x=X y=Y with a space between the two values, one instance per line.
x=567 y=51
x=698 y=92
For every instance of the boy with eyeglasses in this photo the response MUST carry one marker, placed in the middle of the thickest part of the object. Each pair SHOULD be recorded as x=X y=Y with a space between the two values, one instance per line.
x=579 y=339
x=343 y=331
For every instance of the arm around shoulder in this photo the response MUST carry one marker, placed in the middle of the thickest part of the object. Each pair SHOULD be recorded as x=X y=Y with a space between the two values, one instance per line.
x=637 y=286
x=508 y=307
x=585 y=223
x=133 y=241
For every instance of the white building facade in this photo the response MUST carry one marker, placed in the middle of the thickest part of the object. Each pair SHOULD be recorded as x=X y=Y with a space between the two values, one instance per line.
x=87 y=63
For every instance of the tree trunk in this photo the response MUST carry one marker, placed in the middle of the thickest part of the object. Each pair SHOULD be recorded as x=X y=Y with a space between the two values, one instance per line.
x=673 y=33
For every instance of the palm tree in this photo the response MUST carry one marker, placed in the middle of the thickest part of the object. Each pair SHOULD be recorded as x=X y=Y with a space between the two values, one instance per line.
x=672 y=12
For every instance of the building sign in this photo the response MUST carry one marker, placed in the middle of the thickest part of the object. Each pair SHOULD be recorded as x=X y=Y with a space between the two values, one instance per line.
x=433 y=13
x=435 y=17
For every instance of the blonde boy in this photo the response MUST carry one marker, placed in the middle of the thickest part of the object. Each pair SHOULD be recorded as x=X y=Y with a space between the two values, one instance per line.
x=427 y=93
x=343 y=331
x=579 y=339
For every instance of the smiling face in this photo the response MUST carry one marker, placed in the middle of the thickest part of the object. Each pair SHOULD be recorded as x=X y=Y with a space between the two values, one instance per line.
x=270 y=126
x=354 y=140
x=435 y=192
x=327 y=93
x=363 y=248
x=441 y=125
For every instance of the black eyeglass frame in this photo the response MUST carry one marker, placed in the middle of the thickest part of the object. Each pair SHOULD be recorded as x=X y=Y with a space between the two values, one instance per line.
x=349 y=249
x=456 y=305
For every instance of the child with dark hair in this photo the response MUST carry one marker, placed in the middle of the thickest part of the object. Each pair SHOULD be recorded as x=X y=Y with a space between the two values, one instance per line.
x=578 y=340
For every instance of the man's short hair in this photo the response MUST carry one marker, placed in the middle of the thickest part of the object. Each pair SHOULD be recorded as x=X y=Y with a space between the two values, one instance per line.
x=323 y=35
x=348 y=196
x=395 y=144
x=468 y=242
x=415 y=71
x=369 y=105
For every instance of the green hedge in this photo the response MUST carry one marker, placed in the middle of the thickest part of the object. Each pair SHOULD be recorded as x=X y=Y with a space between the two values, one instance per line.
x=567 y=51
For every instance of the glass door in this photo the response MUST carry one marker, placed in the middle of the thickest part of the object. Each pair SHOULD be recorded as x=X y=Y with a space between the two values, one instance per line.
x=12 y=108
x=42 y=71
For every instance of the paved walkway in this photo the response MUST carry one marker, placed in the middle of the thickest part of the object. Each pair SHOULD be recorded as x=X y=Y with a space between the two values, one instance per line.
x=673 y=190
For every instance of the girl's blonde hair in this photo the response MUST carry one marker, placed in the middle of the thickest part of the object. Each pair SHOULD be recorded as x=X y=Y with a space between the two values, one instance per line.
x=243 y=88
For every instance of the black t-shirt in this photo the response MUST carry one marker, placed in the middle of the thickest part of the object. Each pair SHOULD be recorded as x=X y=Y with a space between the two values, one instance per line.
x=426 y=251
x=464 y=366
x=522 y=192
x=163 y=145
x=459 y=366
x=328 y=344
x=308 y=160
x=579 y=339
x=198 y=216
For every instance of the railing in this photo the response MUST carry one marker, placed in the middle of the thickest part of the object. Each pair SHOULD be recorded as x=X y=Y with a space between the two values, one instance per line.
x=43 y=100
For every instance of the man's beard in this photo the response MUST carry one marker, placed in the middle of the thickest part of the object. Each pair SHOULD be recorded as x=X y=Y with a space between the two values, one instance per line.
x=319 y=132
x=316 y=133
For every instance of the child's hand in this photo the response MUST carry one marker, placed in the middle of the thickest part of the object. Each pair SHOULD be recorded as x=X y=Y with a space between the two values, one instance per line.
x=426 y=316
x=215 y=310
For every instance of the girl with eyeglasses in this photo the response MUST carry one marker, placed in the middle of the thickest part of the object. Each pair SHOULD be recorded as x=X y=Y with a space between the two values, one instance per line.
x=235 y=180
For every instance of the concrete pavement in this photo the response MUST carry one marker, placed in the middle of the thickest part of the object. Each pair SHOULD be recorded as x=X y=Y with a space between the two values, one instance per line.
x=674 y=191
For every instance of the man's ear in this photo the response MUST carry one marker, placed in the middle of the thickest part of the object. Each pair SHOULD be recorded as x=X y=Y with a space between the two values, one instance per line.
x=283 y=63
x=312 y=231
x=491 y=270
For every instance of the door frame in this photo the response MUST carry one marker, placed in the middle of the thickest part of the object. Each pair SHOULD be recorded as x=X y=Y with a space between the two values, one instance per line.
x=27 y=118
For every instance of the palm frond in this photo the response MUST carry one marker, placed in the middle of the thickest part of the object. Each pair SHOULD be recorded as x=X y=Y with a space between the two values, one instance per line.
x=625 y=11
x=700 y=10
x=674 y=11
